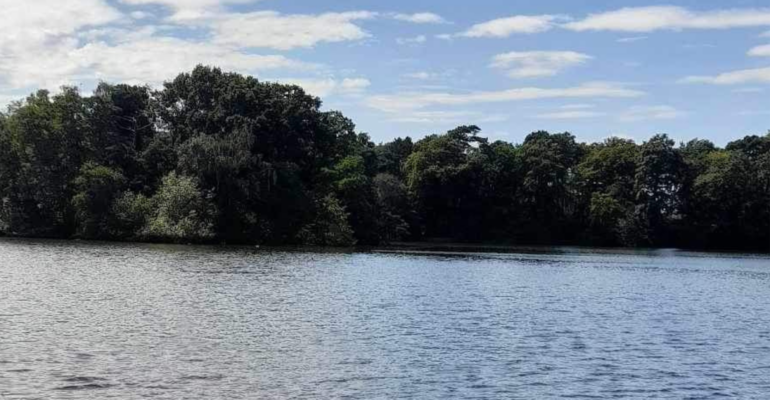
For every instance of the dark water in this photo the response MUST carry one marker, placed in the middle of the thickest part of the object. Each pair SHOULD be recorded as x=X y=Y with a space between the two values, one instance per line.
x=100 y=321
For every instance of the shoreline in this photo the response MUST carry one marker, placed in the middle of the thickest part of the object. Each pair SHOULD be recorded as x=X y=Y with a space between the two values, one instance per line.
x=422 y=247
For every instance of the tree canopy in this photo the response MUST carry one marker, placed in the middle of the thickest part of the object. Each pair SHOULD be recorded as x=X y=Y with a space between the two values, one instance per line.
x=222 y=157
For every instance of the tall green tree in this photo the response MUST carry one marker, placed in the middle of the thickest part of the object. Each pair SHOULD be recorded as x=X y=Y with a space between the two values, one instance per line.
x=264 y=145
x=607 y=176
x=393 y=155
x=549 y=185
x=442 y=182
x=658 y=184
x=96 y=190
x=43 y=139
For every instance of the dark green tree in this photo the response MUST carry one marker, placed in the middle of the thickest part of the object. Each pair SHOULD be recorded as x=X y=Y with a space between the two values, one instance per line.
x=44 y=140
x=607 y=176
x=658 y=184
x=443 y=183
x=96 y=189
x=549 y=186
x=393 y=155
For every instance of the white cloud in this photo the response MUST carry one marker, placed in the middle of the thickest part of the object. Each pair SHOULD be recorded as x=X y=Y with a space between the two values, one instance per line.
x=749 y=90
x=37 y=37
x=154 y=60
x=30 y=26
x=535 y=64
x=505 y=27
x=632 y=39
x=641 y=113
x=49 y=43
x=577 y=107
x=285 y=32
x=575 y=114
x=759 y=75
x=432 y=117
x=420 y=18
x=265 y=29
x=413 y=40
x=422 y=75
x=445 y=36
x=188 y=10
x=430 y=75
x=445 y=117
x=116 y=35
x=414 y=101
x=41 y=20
x=760 y=51
x=139 y=15
x=649 y=19
x=330 y=86
x=354 y=85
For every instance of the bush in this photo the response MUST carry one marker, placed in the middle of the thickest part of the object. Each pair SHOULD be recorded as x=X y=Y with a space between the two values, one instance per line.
x=181 y=213
x=130 y=214
x=330 y=227
x=96 y=188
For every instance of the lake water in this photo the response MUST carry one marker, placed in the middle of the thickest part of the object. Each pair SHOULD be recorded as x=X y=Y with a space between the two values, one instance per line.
x=122 y=321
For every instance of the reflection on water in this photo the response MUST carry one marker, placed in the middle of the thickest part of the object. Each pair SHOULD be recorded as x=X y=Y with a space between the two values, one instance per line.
x=84 y=321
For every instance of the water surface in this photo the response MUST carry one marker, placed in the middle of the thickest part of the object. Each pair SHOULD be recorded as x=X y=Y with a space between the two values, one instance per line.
x=122 y=321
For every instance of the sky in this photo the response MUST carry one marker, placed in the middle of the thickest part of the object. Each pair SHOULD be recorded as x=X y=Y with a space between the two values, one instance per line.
x=689 y=68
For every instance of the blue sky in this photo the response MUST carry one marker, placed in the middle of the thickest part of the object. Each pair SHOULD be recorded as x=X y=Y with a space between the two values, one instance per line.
x=398 y=68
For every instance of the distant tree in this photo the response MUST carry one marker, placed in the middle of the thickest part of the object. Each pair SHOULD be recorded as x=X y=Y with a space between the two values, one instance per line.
x=130 y=213
x=122 y=127
x=396 y=216
x=548 y=186
x=500 y=177
x=658 y=184
x=181 y=212
x=43 y=140
x=393 y=155
x=441 y=181
x=751 y=146
x=607 y=177
x=222 y=157
x=264 y=147
x=354 y=186
x=330 y=228
x=96 y=189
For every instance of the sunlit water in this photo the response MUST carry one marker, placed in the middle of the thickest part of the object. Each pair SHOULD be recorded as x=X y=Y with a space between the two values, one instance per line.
x=101 y=321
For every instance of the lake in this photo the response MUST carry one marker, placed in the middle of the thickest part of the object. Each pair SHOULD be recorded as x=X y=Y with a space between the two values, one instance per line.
x=128 y=321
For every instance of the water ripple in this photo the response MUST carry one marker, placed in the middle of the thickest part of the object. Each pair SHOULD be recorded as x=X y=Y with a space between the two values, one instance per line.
x=83 y=321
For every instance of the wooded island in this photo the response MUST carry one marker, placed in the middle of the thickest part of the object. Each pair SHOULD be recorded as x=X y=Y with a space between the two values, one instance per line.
x=220 y=157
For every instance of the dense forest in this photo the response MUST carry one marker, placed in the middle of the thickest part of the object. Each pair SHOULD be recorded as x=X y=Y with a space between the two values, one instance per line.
x=223 y=158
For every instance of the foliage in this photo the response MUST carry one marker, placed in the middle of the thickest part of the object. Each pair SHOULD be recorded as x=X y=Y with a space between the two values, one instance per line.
x=130 y=212
x=96 y=188
x=549 y=185
x=330 y=227
x=181 y=212
x=394 y=207
x=658 y=182
x=607 y=178
x=222 y=157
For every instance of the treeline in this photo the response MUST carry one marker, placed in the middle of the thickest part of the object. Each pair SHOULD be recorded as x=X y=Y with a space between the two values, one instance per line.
x=220 y=157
